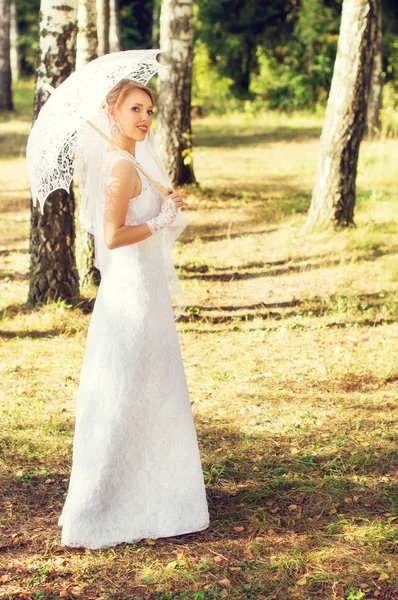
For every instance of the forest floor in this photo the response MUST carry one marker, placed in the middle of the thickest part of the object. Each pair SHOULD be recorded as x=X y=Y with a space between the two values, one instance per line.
x=290 y=351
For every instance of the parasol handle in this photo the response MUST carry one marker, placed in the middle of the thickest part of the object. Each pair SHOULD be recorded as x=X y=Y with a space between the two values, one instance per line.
x=126 y=154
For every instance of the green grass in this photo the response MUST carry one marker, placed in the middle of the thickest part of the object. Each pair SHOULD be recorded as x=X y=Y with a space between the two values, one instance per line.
x=290 y=350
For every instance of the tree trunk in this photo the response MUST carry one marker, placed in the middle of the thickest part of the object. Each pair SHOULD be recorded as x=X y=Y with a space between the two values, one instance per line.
x=5 y=56
x=333 y=198
x=115 y=44
x=14 y=59
x=86 y=51
x=53 y=272
x=373 y=124
x=87 y=39
x=103 y=24
x=174 y=89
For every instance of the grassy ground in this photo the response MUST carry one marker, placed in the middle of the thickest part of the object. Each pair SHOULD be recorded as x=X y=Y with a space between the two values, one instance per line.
x=290 y=350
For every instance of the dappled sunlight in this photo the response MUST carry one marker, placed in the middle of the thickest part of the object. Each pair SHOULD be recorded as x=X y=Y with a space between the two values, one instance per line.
x=289 y=347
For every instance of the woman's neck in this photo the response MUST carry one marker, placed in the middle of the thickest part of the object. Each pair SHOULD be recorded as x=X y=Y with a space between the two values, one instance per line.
x=125 y=144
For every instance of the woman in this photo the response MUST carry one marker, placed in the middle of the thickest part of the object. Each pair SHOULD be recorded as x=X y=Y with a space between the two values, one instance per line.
x=136 y=469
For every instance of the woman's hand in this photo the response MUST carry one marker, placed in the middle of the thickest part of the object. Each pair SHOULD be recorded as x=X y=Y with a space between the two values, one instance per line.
x=178 y=201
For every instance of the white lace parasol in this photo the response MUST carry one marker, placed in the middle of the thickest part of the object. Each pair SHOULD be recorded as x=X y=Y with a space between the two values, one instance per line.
x=61 y=141
x=52 y=141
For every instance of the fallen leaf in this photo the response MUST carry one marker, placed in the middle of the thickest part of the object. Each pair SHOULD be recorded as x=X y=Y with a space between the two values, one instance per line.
x=255 y=469
x=302 y=580
x=294 y=451
x=319 y=486
x=225 y=582
x=383 y=577
x=292 y=507
x=149 y=541
x=348 y=500
x=239 y=528
x=333 y=511
x=271 y=531
x=5 y=578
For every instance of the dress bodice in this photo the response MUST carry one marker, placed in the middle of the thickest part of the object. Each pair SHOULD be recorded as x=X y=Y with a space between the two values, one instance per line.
x=142 y=207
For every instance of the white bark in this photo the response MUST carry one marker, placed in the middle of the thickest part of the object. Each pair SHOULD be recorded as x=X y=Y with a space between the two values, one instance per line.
x=103 y=24
x=115 y=43
x=53 y=272
x=174 y=89
x=87 y=40
x=57 y=45
x=14 y=43
x=375 y=102
x=333 y=198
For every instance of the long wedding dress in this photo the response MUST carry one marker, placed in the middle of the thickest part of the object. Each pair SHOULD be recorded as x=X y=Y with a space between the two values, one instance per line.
x=136 y=470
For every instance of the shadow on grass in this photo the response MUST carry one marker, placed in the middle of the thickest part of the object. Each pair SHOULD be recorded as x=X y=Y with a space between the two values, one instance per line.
x=254 y=487
x=298 y=265
x=227 y=137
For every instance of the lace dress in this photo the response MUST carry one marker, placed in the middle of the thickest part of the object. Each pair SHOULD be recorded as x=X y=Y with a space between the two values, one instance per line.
x=136 y=470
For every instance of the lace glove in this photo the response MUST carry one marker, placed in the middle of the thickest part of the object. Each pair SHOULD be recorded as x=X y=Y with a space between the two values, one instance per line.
x=166 y=217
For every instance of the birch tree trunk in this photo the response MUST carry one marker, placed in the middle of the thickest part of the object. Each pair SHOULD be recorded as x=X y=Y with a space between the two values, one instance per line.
x=103 y=24
x=115 y=43
x=14 y=58
x=5 y=56
x=173 y=125
x=53 y=272
x=87 y=39
x=373 y=124
x=333 y=198
x=86 y=51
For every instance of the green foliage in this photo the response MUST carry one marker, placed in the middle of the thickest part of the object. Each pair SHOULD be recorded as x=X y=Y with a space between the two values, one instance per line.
x=210 y=91
x=136 y=23
x=27 y=12
x=232 y=30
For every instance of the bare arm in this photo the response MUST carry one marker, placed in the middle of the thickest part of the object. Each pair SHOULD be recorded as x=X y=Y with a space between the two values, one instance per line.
x=123 y=184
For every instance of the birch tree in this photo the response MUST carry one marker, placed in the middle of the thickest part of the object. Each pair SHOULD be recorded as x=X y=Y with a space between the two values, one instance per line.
x=375 y=101
x=103 y=24
x=115 y=44
x=333 y=198
x=5 y=56
x=53 y=272
x=14 y=58
x=87 y=39
x=86 y=51
x=174 y=89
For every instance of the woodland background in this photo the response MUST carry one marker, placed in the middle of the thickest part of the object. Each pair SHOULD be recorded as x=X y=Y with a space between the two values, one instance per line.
x=289 y=341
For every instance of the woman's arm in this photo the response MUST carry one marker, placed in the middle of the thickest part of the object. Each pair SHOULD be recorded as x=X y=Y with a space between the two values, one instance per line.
x=123 y=184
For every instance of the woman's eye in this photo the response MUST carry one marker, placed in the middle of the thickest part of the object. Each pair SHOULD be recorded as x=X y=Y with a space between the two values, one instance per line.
x=150 y=112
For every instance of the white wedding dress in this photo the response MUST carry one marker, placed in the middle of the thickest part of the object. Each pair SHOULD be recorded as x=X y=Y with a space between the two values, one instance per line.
x=136 y=470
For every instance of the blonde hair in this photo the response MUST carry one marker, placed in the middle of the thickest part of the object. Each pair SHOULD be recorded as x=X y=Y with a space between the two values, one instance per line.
x=122 y=88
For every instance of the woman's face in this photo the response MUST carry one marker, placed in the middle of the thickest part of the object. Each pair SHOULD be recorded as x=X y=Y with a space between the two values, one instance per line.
x=134 y=115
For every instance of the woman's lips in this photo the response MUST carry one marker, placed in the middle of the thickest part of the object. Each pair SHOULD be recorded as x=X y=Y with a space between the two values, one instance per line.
x=142 y=128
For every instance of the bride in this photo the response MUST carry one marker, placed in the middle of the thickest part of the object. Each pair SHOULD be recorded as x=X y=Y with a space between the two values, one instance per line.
x=136 y=469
